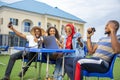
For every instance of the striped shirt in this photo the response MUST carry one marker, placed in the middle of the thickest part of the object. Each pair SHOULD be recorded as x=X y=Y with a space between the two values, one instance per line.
x=104 y=50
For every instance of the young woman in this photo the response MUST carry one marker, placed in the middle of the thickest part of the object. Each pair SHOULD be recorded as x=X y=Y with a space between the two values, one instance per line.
x=52 y=31
x=73 y=41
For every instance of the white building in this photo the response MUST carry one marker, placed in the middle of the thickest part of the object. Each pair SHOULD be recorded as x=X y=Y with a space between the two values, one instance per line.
x=28 y=13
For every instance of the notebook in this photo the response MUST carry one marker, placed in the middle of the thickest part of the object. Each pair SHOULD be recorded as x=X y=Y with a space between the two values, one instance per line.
x=50 y=42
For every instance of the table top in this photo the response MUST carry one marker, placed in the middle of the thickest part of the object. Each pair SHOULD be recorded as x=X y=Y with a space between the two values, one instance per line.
x=45 y=50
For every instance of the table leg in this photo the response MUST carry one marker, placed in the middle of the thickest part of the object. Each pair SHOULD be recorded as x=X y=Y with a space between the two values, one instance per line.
x=47 y=67
x=63 y=67
x=40 y=66
x=22 y=67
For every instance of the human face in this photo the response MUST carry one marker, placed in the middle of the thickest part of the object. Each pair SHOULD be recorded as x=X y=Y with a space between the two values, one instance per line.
x=107 y=28
x=52 y=32
x=68 y=30
x=37 y=33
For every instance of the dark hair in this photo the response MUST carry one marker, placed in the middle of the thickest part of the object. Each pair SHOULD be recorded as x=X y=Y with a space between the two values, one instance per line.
x=56 y=32
x=116 y=23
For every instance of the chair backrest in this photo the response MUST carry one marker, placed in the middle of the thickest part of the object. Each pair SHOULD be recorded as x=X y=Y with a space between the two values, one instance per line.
x=50 y=42
x=108 y=74
x=44 y=57
x=4 y=48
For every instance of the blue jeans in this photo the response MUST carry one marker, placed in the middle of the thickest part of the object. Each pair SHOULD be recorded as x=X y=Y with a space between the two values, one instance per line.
x=58 y=69
x=68 y=68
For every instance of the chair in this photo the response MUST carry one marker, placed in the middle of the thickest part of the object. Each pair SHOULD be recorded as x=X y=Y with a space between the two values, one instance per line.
x=108 y=74
x=4 y=49
x=25 y=61
x=41 y=58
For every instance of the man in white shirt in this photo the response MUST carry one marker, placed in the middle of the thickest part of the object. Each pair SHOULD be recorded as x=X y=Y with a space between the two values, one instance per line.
x=33 y=39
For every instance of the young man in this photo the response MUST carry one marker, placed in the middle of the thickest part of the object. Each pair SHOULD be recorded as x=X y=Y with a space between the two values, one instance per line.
x=103 y=51
x=33 y=39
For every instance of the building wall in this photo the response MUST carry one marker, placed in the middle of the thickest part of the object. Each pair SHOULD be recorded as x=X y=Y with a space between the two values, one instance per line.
x=7 y=13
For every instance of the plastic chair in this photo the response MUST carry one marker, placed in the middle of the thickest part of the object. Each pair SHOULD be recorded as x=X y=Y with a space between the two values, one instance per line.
x=25 y=61
x=4 y=49
x=108 y=74
x=41 y=58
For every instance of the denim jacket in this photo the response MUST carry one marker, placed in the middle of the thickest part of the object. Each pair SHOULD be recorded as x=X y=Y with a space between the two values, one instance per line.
x=79 y=51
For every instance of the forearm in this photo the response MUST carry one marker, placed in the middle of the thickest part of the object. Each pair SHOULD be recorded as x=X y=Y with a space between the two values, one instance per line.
x=60 y=44
x=18 y=33
x=115 y=43
x=89 y=45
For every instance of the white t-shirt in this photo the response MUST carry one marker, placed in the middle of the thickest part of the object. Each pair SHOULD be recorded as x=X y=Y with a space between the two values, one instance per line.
x=32 y=43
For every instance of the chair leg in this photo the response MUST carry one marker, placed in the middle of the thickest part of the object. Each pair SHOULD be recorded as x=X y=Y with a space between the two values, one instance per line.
x=47 y=68
x=63 y=67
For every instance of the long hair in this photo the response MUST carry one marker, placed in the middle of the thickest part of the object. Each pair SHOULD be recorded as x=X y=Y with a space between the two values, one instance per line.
x=56 y=32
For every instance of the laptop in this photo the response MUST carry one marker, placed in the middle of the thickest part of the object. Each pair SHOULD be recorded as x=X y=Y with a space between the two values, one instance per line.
x=50 y=42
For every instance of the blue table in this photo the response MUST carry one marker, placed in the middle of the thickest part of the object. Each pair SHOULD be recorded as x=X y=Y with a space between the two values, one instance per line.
x=50 y=51
x=45 y=50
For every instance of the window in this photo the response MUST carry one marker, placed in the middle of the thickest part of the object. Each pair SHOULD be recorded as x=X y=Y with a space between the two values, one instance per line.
x=39 y=23
x=62 y=30
x=49 y=25
x=14 y=21
x=22 y=42
x=27 y=26
x=1 y=20
x=54 y=25
x=0 y=40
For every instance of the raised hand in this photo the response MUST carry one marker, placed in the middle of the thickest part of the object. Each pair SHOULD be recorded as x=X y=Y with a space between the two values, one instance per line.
x=10 y=25
x=112 y=27
x=79 y=39
x=90 y=32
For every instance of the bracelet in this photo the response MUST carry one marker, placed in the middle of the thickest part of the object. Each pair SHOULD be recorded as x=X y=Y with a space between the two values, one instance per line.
x=88 y=37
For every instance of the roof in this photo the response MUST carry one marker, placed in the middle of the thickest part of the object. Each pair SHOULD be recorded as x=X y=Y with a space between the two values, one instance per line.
x=2 y=3
x=42 y=8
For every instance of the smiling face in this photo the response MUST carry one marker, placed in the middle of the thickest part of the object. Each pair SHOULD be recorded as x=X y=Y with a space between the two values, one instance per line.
x=52 y=32
x=68 y=30
x=37 y=33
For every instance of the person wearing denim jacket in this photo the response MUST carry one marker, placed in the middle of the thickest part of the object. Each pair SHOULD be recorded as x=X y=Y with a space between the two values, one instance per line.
x=79 y=52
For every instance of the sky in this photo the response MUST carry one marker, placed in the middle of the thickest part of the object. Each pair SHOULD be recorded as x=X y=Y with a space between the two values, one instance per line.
x=96 y=13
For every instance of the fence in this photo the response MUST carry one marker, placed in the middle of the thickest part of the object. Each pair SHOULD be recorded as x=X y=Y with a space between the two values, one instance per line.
x=11 y=40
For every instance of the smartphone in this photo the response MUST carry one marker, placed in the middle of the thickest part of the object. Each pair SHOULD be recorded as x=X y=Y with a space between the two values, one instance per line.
x=93 y=30
x=10 y=24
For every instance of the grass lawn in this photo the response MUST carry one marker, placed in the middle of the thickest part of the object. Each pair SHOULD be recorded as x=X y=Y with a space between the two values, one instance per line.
x=32 y=73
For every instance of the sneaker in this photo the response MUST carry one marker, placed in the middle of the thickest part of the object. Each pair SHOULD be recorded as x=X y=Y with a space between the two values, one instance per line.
x=5 y=78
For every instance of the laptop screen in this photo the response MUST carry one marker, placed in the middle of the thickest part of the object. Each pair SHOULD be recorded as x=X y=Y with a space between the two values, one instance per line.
x=50 y=42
